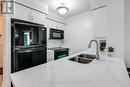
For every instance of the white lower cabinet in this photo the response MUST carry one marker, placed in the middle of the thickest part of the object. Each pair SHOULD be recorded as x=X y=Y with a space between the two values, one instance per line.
x=50 y=55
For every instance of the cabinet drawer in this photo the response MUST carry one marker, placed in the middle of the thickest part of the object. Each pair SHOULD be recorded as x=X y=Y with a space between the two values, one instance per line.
x=49 y=60
x=50 y=55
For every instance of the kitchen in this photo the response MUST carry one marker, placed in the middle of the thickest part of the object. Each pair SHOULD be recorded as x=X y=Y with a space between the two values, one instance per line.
x=105 y=21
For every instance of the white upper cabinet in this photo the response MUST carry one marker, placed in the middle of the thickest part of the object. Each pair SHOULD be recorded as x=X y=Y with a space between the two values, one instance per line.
x=21 y=12
x=62 y=26
x=35 y=4
x=98 y=3
x=28 y=14
x=50 y=24
x=100 y=22
x=38 y=17
x=54 y=24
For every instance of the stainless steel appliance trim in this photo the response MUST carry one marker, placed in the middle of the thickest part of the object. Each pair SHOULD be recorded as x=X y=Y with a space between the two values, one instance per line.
x=29 y=24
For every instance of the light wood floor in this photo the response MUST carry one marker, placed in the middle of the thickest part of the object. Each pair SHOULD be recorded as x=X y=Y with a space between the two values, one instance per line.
x=1 y=80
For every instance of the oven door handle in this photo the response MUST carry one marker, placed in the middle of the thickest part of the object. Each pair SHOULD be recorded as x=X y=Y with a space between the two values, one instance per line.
x=29 y=50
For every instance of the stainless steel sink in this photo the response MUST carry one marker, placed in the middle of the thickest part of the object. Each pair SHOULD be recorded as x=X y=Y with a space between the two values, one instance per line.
x=90 y=56
x=83 y=58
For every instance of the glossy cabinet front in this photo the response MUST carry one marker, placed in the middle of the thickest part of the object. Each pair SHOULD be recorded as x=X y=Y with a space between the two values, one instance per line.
x=27 y=14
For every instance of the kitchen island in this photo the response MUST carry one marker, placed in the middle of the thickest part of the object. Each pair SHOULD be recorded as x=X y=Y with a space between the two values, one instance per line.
x=106 y=72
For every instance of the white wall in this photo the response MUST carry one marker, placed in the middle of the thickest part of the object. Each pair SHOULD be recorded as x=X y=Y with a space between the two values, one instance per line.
x=127 y=32
x=79 y=32
x=7 y=51
x=115 y=22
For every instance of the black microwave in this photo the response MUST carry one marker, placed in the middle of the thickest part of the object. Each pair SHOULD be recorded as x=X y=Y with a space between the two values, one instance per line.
x=56 y=34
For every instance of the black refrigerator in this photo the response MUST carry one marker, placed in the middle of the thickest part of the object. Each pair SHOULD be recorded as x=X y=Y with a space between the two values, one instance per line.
x=28 y=45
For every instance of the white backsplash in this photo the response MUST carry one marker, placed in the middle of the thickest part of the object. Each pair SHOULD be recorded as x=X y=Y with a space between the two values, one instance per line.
x=54 y=43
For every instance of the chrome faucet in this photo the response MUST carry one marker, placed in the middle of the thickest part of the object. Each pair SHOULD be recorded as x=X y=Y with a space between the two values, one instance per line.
x=97 y=51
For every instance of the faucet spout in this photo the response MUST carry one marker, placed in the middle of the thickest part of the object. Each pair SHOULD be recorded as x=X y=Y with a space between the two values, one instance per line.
x=97 y=51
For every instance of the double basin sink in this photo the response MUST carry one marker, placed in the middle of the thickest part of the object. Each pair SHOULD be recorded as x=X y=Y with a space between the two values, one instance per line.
x=83 y=58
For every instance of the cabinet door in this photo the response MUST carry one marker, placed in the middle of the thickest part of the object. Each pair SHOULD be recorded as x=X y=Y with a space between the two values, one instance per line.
x=100 y=22
x=21 y=12
x=38 y=17
x=59 y=26
x=28 y=14
x=62 y=26
x=98 y=3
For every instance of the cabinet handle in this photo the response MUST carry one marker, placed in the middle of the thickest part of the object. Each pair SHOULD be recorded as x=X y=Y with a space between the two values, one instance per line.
x=28 y=17
x=57 y=26
x=31 y=17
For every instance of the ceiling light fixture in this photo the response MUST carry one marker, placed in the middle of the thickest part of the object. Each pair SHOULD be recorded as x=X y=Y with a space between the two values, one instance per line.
x=62 y=9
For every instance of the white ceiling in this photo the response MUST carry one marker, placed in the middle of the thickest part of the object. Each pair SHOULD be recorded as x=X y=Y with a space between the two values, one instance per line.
x=75 y=6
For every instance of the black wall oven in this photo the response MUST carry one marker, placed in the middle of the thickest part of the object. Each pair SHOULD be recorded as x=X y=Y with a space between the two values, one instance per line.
x=56 y=34
x=28 y=45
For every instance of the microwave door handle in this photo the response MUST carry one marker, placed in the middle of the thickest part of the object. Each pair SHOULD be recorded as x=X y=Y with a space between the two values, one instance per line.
x=23 y=51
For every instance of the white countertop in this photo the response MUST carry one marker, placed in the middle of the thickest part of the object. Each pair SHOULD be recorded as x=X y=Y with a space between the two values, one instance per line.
x=107 y=72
